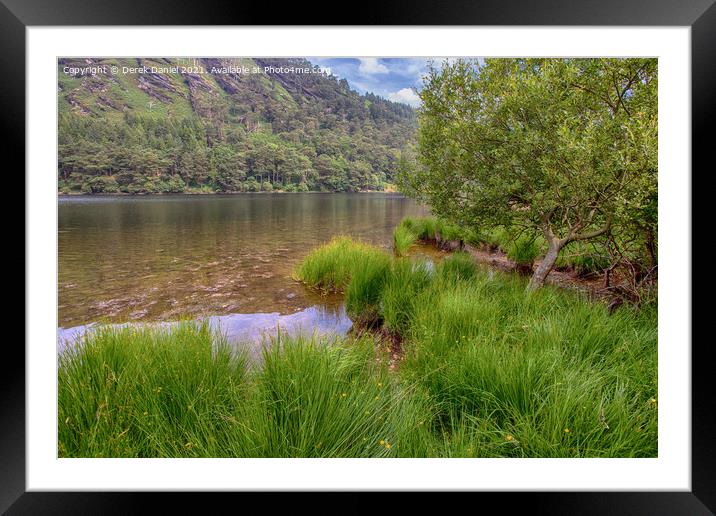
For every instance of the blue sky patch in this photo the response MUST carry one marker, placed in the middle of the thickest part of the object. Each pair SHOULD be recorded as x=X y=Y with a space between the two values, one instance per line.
x=395 y=79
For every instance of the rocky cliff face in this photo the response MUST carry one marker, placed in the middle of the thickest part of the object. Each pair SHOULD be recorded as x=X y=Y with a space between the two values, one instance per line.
x=107 y=87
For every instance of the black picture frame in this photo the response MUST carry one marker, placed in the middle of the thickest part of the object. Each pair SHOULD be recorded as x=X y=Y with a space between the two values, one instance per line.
x=17 y=15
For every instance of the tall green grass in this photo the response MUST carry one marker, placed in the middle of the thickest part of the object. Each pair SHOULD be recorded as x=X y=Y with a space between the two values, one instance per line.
x=407 y=280
x=182 y=393
x=331 y=266
x=524 y=250
x=424 y=228
x=403 y=238
x=141 y=392
x=490 y=370
x=546 y=373
x=368 y=276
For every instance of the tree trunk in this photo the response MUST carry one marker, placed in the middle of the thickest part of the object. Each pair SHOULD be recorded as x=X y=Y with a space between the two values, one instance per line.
x=545 y=266
x=651 y=247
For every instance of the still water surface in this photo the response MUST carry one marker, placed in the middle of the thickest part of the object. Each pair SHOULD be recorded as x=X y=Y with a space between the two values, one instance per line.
x=160 y=258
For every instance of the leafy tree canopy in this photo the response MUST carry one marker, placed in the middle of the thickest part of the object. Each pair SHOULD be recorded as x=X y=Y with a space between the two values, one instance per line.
x=562 y=147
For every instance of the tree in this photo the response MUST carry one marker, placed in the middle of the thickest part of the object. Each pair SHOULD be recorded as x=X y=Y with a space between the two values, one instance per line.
x=561 y=147
x=229 y=169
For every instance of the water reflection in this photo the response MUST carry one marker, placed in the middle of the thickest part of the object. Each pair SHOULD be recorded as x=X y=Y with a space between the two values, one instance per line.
x=166 y=257
x=245 y=331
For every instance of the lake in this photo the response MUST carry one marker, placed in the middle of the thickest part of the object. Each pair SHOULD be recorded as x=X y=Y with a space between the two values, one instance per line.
x=162 y=258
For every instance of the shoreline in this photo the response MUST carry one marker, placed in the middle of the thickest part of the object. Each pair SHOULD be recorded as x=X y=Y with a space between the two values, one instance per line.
x=160 y=194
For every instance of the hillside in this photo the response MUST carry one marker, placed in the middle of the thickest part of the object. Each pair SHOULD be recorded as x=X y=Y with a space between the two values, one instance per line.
x=176 y=125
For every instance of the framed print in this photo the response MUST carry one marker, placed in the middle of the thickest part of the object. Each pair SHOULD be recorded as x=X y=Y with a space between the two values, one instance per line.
x=415 y=256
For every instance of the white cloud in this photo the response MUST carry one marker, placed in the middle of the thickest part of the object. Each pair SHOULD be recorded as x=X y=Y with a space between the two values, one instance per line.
x=406 y=96
x=370 y=66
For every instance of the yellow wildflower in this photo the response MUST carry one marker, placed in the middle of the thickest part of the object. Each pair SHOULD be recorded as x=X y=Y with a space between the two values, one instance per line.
x=509 y=437
x=567 y=430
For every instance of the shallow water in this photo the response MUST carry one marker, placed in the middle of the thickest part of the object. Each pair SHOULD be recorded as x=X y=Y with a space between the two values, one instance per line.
x=161 y=258
x=250 y=332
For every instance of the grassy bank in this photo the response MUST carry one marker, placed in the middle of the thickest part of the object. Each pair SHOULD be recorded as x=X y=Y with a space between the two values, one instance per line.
x=181 y=393
x=511 y=373
x=519 y=246
x=489 y=370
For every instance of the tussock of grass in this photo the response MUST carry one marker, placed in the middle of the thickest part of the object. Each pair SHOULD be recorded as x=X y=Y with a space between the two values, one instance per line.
x=457 y=266
x=403 y=238
x=424 y=228
x=331 y=266
x=523 y=250
x=405 y=283
x=363 y=293
x=447 y=231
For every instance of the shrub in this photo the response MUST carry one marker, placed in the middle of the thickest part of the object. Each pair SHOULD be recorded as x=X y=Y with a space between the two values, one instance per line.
x=584 y=258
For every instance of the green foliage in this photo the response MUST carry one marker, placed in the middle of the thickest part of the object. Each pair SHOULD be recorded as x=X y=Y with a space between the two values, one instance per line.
x=141 y=392
x=566 y=147
x=403 y=238
x=457 y=267
x=164 y=393
x=331 y=266
x=406 y=281
x=547 y=375
x=490 y=371
x=523 y=250
x=585 y=258
x=510 y=373
x=367 y=278
x=424 y=228
x=218 y=132
x=433 y=228
x=448 y=231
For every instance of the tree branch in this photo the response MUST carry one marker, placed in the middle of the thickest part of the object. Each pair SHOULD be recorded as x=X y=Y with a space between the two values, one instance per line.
x=593 y=234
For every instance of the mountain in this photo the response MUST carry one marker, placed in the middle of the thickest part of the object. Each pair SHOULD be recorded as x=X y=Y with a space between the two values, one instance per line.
x=226 y=125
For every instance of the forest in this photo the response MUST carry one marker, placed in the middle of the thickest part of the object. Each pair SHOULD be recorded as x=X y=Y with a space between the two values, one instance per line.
x=223 y=132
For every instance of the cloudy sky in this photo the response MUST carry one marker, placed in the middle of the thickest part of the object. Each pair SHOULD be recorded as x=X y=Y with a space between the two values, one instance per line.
x=392 y=78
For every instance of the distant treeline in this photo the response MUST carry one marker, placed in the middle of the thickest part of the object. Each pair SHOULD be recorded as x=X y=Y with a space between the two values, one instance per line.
x=307 y=133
